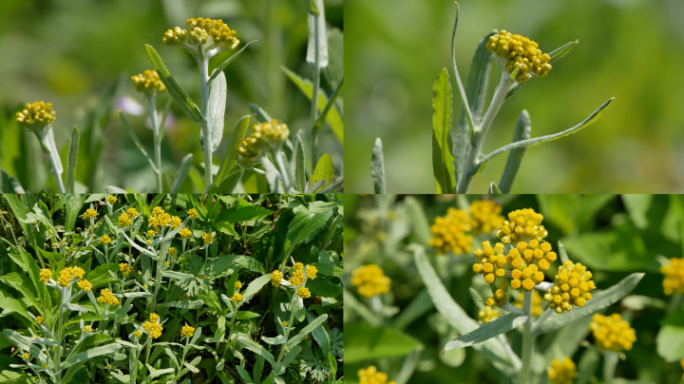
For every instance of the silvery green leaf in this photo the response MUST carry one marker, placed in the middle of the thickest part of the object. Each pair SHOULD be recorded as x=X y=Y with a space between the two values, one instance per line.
x=378 y=168
x=562 y=51
x=114 y=189
x=280 y=339
x=522 y=131
x=9 y=184
x=306 y=330
x=254 y=287
x=289 y=357
x=72 y=159
x=442 y=158
x=259 y=113
x=494 y=189
x=317 y=50
x=91 y=353
x=231 y=154
x=462 y=92
x=300 y=165
x=421 y=226
x=496 y=327
x=216 y=110
x=256 y=348
x=220 y=68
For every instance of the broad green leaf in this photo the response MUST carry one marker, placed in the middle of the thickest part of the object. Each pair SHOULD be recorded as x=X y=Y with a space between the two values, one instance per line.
x=442 y=159
x=231 y=154
x=289 y=357
x=306 y=224
x=486 y=331
x=522 y=131
x=243 y=374
x=306 y=330
x=72 y=159
x=670 y=339
x=320 y=335
x=73 y=207
x=90 y=354
x=220 y=68
x=182 y=173
x=187 y=105
x=11 y=306
x=10 y=377
x=599 y=301
x=137 y=142
x=216 y=110
x=334 y=117
x=300 y=165
x=255 y=286
x=562 y=51
x=9 y=184
x=325 y=170
x=538 y=140
x=462 y=92
x=245 y=213
x=317 y=49
x=378 y=168
x=256 y=348
x=364 y=342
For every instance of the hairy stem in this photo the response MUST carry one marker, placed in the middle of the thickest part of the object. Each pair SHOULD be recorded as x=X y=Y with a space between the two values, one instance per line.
x=528 y=340
x=610 y=360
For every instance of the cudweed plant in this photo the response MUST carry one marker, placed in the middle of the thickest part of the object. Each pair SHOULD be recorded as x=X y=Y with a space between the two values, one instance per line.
x=174 y=289
x=457 y=157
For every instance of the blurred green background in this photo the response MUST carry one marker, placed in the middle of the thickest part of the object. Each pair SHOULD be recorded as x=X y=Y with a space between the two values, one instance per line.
x=71 y=53
x=632 y=50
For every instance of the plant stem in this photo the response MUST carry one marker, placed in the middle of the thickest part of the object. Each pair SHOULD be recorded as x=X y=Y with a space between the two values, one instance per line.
x=47 y=142
x=314 y=99
x=528 y=340
x=278 y=154
x=290 y=325
x=610 y=360
x=152 y=100
x=505 y=85
x=203 y=63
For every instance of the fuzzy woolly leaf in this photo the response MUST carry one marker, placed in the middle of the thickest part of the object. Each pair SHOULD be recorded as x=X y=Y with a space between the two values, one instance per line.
x=256 y=348
x=378 y=167
x=486 y=331
x=90 y=354
x=72 y=159
x=523 y=131
x=300 y=166
x=306 y=330
x=231 y=154
x=442 y=158
x=216 y=110
x=317 y=50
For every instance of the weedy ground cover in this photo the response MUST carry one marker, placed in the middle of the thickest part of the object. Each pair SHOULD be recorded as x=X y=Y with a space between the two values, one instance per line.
x=514 y=289
x=170 y=288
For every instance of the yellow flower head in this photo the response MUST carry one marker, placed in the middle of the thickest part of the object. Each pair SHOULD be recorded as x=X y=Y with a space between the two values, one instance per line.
x=89 y=214
x=124 y=220
x=371 y=375
x=537 y=300
x=105 y=239
x=673 y=283
x=172 y=251
x=273 y=131
x=237 y=297
x=449 y=233
x=492 y=261
x=562 y=371
x=249 y=150
x=276 y=277
x=488 y=314
x=137 y=333
x=208 y=33
x=45 y=275
x=528 y=261
x=370 y=280
x=311 y=272
x=39 y=320
x=150 y=234
x=520 y=52
x=486 y=216
x=303 y=292
x=148 y=82
x=184 y=233
x=175 y=36
x=298 y=267
x=132 y=212
x=88 y=328
x=36 y=115
x=208 y=238
x=65 y=276
x=156 y=331
x=522 y=225
x=238 y=284
x=297 y=278
x=572 y=286
x=154 y=317
x=125 y=269
x=85 y=285
x=192 y=213
x=176 y=222
x=78 y=272
x=111 y=199
x=25 y=356
x=612 y=333
x=187 y=331
x=107 y=297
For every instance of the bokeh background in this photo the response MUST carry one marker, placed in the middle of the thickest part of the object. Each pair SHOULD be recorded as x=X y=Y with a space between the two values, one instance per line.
x=632 y=50
x=80 y=54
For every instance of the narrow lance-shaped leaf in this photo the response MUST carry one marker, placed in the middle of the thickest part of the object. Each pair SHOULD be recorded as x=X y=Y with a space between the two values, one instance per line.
x=486 y=331
x=257 y=348
x=182 y=173
x=522 y=131
x=72 y=159
x=538 y=140
x=562 y=51
x=259 y=113
x=136 y=141
x=230 y=157
x=216 y=109
x=494 y=189
x=317 y=50
x=442 y=159
x=165 y=115
x=223 y=65
x=300 y=165
x=306 y=330
x=320 y=122
x=311 y=7
x=378 y=168
x=464 y=98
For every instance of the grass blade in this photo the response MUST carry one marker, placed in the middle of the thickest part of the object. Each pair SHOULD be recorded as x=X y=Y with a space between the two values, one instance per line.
x=538 y=140
x=320 y=122
x=216 y=111
x=72 y=160
x=442 y=159
x=464 y=97
x=223 y=65
x=230 y=157
x=182 y=173
x=137 y=141
x=523 y=131
x=300 y=166
x=378 y=168
x=187 y=105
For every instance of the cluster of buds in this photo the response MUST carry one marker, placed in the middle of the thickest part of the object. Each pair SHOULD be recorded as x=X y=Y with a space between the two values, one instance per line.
x=562 y=371
x=125 y=269
x=488 y=314
x=153 y=326
x=612 y=333
x=262 y=135
x=184 y=233
x=499 y=298
x=572 y=287
x=89 y=214
x=486 y=216
x=111 y=199
x=148 y=83
x=673 y=283
x=36 y=115
x=371 y=375
x=299 y=275
x=522 y=225
x=187 y=331
x=449 y=232
x=66 y=275
x=520 y=52
x=370 y=280
x=208 y=33
x=106 y=297
x=159 y=218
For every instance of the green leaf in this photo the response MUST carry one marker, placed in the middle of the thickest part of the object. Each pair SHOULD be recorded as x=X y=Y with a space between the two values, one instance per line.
x=306 y=330
x=442 y=159
x=486 y=331
x=562 y=51
x=670 y=339
x=334 y=118
x=187 y=105
x=216 y=110
x=137 y=142
x=255 y=286
x=182 y=173
x=223 y=65
x=72 y=159
x=462 y=92
x=523 y=131
x=300 y=165
x=420 y=305
x=73 y=207
x=259 y=113
x=364 y=342
x=311 y=7
x=9 y=184
x=599 y=301
x=320 y=121
x=538 y=140
x=421 y=226
x=306 y=224
x=245 y=213
x=317 y=49
x=494 y=189
x=378 y=168
x=90 y=354
x=325 y=170
x=230 y=157
x=320 y=335
x=256 y=348
x=11 y=306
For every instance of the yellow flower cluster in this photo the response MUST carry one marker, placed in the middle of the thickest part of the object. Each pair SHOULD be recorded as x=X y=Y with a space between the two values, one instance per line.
x=311 y=272
x=303 y=292
x=562 y=371
x=572 y=286
x=370 y=280
x=125 y=269
x=45 y=275
x=612 y=333
x=172 y=251
x=522 y=225
x=105 y=239
x=124 y=220
x=184 y=233
x=450 y=232
x=107 y=297
x=66 y=275
x=132 y=212
x=148 y=82
x=137 y=333
x=176 y=222
x=111 y=199
x=187 y=331
x=492 y=262
x=487 y=314
x=39 y=320
x=238 y=285
x=150 y=234
x=486 y=216
x=262 y=134
x=276 y=277
x=520 y=52
x=175 y=36
x=85 y=285
x=201 y=30
x=499 y=297
x=297 y=277
x=208 y=238
x=153 y=326
x=537 y=300
x=528 y=261
x=237 y=297
x=192 y=213
x=89 y=214
x=36 y=115
x=673 y=283
x=371 y=375
x=88 y=328
x=25 y=356
x=159 y=217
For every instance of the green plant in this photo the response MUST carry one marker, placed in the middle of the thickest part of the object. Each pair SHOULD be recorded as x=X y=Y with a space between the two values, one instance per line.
x=457 y=157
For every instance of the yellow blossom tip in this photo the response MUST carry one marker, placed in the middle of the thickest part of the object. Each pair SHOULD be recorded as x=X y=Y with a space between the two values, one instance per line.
x=370 y=280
